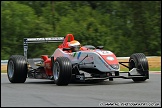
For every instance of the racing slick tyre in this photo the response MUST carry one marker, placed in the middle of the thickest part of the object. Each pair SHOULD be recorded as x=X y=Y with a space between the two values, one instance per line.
x=62 y=71
x=139 y=61
x=17 y=69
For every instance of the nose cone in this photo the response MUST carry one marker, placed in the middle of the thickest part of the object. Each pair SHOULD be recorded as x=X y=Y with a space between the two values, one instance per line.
x=110 y=59
x=108 y=56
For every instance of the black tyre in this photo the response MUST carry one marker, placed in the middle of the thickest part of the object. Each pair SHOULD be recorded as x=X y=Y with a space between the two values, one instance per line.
x=17 y=69
x=139 y=61
x=62 y=71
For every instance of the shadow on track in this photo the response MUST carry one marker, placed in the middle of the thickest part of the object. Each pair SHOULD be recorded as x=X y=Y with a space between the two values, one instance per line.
x=87 y=83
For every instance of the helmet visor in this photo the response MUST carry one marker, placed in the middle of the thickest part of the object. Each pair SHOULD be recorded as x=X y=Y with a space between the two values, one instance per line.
x=76 y=48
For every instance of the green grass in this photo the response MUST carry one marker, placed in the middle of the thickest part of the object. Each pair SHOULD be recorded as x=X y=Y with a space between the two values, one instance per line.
x=151 y=69
x=155 y=69
x=3 y=71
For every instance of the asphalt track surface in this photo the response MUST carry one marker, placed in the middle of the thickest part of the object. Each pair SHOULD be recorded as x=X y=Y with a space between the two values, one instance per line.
x=118 y=93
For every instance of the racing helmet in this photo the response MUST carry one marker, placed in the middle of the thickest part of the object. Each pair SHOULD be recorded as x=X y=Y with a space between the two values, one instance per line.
x=74 y=45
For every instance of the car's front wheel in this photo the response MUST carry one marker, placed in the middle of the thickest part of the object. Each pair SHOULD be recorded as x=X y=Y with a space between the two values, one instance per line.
x=139 y=61
x=62 y=71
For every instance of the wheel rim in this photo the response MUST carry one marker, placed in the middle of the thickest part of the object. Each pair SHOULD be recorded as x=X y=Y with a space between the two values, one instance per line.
x=132 y=64
x=10 y=69
x=56 y=70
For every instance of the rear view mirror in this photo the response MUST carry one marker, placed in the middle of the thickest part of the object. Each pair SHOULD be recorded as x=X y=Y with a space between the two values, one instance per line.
x=100 y=47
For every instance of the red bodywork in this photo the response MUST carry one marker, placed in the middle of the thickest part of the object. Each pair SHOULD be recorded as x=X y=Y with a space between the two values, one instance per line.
x=68 y=38
x=47 y=65
x=65 y=42
x=47 y=61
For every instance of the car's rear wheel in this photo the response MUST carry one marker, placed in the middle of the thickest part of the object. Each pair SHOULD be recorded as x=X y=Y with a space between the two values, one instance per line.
x=139 y=61
x=17 y=69
x=62 y=71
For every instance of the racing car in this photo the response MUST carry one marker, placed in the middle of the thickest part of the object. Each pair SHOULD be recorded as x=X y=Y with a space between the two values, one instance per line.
x=65 y=65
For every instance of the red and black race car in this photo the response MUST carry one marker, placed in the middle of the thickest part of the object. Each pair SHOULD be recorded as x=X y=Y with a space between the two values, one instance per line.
x=73 y=62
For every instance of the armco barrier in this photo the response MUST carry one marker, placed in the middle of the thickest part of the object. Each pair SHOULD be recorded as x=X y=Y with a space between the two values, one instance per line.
x=4 y=62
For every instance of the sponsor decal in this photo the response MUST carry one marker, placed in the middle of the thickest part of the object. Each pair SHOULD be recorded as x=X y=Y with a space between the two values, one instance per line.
x=78 y=55
x=81 y=77
x=104 y=52
x=74 y=54
x=42 y=39
x=110 y=58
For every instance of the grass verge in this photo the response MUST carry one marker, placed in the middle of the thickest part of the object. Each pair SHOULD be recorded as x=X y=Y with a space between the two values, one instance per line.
x=151 y=69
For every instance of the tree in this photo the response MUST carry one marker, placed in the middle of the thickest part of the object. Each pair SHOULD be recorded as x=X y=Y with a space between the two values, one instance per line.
x=19 y=21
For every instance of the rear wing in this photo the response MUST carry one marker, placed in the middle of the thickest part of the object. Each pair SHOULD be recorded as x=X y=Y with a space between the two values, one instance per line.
x=40 y=40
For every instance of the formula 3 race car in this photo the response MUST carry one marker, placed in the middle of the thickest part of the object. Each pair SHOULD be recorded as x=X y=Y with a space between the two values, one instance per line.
x=65 y=66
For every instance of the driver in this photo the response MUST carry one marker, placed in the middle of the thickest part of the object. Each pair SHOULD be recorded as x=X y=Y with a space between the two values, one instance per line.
x=74 y=45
